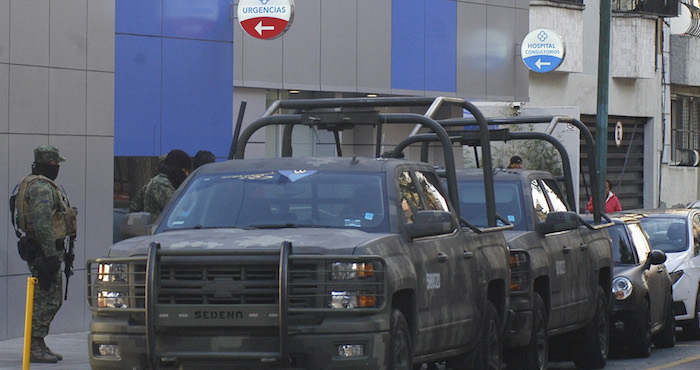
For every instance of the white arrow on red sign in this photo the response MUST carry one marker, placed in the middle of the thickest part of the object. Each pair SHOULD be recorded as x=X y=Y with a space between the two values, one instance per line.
x=265 y=19
x=260 y=28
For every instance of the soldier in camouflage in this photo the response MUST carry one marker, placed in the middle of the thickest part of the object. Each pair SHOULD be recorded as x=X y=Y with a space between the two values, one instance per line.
x=173 y=172
x=46 y=218
x=136 y=204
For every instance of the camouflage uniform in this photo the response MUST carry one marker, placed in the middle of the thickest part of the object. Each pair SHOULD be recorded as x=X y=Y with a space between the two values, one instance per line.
x=137 y=202
x=156 y=195
x=43 y=205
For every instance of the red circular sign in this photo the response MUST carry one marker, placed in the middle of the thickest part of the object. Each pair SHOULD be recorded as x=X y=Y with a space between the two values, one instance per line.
x=265 y=19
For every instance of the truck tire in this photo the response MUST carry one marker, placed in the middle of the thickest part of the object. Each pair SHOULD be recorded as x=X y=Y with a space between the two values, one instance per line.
x=593 y=350
x=489 y=351
x=400 y=349
x=691 y=330
x=640 y=342
x=666 y=338
x=535 y=355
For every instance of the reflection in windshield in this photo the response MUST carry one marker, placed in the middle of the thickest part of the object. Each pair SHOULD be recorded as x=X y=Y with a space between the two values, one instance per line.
x=508 y=203
x=276 y=199
x=666 y=234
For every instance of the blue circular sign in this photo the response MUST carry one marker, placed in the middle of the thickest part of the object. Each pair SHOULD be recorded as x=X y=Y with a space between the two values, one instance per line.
x=542 y=50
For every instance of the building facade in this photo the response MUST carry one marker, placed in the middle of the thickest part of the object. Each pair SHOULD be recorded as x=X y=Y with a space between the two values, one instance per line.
x=106 y=80
x=56 y=87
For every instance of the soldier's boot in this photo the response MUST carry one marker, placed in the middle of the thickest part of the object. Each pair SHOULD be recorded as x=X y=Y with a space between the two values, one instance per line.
x=48 y=350
x=38 y=354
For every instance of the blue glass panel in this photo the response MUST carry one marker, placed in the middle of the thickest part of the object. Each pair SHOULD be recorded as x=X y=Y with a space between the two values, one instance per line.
x=138 y=17
x=441 y=46
x=201 y=19
x=137 y=80
x=197 y=96
x=408 y=44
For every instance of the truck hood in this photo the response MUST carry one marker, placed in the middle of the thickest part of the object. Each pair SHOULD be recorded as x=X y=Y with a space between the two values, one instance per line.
x=304 y=240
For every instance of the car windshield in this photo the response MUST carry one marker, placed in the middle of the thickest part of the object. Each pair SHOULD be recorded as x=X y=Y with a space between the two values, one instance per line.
x=508 y=202
x=621 y=248
x=277 y=199
x=669 y=234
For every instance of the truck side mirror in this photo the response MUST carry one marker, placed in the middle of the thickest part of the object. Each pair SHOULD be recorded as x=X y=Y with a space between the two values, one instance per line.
x=558 y=221
x=426 y=223
x=136 y=224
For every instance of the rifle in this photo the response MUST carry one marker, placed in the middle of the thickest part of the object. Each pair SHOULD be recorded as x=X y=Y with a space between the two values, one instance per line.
x=70 y=257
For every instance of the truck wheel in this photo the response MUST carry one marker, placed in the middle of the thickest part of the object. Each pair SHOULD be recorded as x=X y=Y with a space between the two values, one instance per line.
x=593 y=351
x=640 y=343
x=400 y=350
x=667 y=337
x=536 y=354
x=489 y=351
x=691 y=330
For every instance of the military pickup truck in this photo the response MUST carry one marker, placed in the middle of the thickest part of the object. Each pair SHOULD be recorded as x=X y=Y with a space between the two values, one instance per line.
x=308 y=262
x=561 y=265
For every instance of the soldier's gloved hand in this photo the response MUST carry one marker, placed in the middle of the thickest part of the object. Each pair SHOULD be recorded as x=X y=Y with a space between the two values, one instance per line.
x=47 y=272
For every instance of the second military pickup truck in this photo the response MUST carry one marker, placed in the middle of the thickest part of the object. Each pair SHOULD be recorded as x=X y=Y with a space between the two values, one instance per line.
x=308 y=262
x=561 y=265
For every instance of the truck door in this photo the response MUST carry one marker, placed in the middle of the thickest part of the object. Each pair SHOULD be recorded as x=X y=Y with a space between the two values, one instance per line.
x=435 y=260
x=564 y=272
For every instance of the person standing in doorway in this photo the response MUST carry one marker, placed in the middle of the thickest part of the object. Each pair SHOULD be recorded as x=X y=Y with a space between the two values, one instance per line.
x=612 y=204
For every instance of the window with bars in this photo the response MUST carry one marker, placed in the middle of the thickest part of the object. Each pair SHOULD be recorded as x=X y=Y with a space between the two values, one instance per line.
x=685 y=129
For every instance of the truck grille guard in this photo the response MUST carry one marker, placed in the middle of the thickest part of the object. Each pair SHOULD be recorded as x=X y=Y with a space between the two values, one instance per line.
x=258 y=288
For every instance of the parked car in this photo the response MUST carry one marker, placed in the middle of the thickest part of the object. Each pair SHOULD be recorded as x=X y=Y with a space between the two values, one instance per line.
x=642 y=310
x=676 y=232
x=695 y=204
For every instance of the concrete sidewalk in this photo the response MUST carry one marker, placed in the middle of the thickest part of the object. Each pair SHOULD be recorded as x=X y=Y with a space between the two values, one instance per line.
x=73 y=347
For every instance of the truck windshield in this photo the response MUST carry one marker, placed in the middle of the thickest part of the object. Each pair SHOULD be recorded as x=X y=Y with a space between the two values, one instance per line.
x=509 y=202
x=279 y=199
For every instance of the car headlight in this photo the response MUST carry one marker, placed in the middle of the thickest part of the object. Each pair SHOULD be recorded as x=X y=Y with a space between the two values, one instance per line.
x=621 y=288
x=675 y=276
x=111 y=272
x=111 y=300
x=351 y=270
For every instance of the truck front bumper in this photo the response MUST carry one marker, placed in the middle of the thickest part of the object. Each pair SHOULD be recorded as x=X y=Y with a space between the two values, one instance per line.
x=309 y=348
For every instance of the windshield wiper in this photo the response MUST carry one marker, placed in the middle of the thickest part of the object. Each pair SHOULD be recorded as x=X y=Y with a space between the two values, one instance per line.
x=286 y=226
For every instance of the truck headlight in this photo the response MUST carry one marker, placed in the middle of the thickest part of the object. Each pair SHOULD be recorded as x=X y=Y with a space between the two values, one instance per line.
x=111 y=300
x=349 y=300
x=519 y=271
x=351 y=270
x=621 y=288
x=111 y=272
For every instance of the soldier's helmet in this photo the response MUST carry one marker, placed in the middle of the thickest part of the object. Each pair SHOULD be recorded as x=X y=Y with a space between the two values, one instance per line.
x=47 y=154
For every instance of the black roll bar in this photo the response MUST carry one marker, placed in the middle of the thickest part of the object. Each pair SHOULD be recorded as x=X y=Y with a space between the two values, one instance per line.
x=553 y=121
x=339 y=119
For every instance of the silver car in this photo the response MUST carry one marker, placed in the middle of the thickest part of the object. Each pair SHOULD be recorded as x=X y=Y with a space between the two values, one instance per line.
x=676 y=232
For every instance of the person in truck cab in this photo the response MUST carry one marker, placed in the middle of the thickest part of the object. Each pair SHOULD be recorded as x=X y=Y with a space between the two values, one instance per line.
x=612 y=204
x=515 y=162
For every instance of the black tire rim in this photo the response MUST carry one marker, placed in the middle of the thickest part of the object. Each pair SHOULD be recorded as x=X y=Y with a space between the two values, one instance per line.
x=401 y=361
x=493 y=346
x=541 y=344
x=602 y=330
